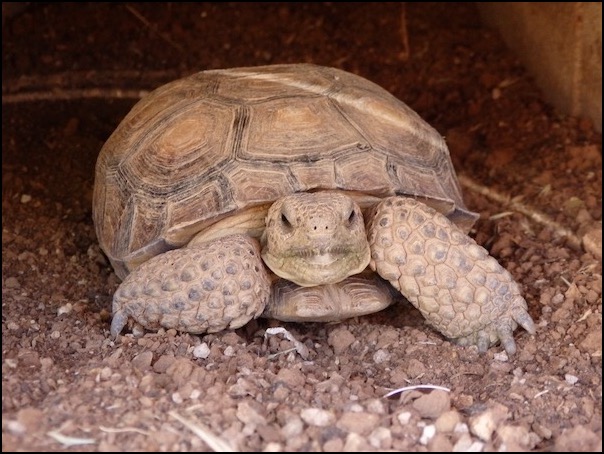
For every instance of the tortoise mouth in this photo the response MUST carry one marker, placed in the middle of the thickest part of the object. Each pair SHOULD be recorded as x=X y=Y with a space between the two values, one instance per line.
x=310 y=267
x=323 y=257
x=310 y=253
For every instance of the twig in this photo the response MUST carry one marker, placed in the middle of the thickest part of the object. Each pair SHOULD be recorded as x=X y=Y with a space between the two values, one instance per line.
x=73 y=94
x=153 y=28
x=215 y=443
x=532 y=213
x=405 y=53
x=539 y=394
x=299 y=346
x=75 y=85
x=115 y=430
x=585 y=315
x=68 y=441
x=568 y=284
x=90 y=79
x=284 y=352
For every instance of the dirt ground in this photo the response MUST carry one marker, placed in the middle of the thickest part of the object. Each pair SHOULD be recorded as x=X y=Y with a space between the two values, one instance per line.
x=70 y=72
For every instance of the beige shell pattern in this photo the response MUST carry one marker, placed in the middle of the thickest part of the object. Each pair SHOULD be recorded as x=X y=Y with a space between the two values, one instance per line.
x=207 y=146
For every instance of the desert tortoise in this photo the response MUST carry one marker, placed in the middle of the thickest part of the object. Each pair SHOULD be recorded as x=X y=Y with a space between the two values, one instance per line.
x=281 y=191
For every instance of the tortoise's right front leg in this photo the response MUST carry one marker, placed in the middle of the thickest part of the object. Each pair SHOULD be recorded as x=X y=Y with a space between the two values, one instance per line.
x=205 y=288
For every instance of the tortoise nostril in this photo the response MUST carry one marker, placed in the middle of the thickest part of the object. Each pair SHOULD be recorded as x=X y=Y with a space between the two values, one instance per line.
x=318 y=227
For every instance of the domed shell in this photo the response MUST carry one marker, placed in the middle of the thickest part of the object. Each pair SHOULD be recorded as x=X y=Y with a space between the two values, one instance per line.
x=203 y=147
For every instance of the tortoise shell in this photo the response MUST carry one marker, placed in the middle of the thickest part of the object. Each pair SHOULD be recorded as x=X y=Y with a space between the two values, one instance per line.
x=207 y=146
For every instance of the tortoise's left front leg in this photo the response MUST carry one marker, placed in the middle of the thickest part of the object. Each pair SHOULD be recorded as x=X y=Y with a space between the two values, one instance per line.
x=460 y=289
x=209 y=287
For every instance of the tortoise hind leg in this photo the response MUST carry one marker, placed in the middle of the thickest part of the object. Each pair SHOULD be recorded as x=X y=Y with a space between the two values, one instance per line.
x=460 y=289
x=204 y=288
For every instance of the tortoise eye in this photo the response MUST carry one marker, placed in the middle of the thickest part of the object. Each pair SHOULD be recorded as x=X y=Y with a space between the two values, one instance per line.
x=352 y=217
x=285 y=221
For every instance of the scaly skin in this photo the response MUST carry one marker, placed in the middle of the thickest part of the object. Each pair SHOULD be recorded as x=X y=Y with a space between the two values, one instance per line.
x=318 y=240
x=460 y=289
x=207 y=288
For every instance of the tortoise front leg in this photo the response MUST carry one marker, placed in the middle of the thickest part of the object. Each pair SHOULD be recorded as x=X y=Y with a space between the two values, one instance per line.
x=204 y=288
x=460 y=289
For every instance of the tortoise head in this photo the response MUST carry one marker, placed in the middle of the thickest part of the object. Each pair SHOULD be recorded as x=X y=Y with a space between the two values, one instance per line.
x=315 y=238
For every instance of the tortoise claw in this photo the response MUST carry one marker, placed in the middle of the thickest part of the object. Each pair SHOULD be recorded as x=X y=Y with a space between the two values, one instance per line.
x=483 y=342
x=505 y=330
x=119 y=321
x=506 y=337
x=501 y=331
x=523 y=318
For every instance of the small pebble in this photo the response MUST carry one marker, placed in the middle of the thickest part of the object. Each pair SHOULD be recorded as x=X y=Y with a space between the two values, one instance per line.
x=201 y=351
x=358 y=422
x=12 y=282
x=571 y=379
x=433 y=404
x=427 y=434
x=317 y=417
